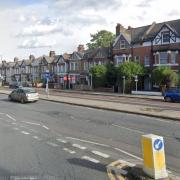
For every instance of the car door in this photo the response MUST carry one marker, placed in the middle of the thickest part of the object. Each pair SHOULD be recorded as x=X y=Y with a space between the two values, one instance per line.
x=19 y=94
x=178 y=94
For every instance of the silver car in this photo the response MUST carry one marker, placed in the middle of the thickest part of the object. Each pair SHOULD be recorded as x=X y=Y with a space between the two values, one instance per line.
x=24 y=95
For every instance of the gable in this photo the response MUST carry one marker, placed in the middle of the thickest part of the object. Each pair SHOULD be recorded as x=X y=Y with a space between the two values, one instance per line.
x=61 y=60
x=121 y=43
x=167 y=31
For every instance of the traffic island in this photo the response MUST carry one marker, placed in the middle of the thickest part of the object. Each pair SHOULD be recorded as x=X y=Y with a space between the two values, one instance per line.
x=123 y=170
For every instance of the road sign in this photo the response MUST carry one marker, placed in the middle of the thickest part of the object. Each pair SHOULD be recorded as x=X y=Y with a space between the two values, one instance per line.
x=158 y=144
x=154 y=156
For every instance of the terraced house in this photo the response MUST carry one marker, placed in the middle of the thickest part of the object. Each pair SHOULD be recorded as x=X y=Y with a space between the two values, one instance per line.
x=153 y=45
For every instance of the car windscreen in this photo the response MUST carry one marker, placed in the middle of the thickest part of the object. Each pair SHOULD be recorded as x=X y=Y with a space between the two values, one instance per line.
x=29 y=91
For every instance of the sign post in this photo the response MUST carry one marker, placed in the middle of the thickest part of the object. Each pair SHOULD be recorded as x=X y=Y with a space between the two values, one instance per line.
x=47 y=82
x=154 y=156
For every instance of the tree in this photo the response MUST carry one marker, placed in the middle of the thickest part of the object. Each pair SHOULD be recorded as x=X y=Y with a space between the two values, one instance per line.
x=129 y=70
x=99 y=75
x=102 y=38
x=163 y=76
x=111 y=74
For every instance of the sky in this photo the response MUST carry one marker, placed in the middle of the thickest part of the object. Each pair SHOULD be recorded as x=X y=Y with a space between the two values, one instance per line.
x=38 y=26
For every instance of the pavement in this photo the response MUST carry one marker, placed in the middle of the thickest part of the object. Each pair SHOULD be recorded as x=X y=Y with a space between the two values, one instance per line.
x=141 y=109
x=62 y=141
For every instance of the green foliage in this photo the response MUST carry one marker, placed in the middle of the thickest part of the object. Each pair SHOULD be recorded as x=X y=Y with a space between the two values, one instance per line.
x=130 y=69
x=99 y=75
x=164 y=76
x=178 y=79
x=102 y=38
x=111 y=74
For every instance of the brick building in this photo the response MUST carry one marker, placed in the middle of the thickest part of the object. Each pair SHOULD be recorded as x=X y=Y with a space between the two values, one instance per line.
x=153 y=45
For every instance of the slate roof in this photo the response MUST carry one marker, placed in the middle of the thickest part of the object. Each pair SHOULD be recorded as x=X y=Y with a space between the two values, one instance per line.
x=89 y=54
x=146 y=33
x=76 y=56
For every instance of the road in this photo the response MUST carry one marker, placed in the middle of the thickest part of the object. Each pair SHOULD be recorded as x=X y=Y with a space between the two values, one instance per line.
x=60 y=141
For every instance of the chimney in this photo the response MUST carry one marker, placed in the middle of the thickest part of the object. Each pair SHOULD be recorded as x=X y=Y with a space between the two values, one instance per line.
x=16 y=59
x=81 y=48
x=52 y=54
x=119 y=29
x=129 y=27
x=31 y=57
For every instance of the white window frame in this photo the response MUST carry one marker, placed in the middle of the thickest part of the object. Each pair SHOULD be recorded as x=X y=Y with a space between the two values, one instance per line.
x=165 y=33
x=122 y=44
x=146 y=59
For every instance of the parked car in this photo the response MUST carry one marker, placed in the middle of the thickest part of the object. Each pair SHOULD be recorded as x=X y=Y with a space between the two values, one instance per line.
x=172 y=94
x=24 y=95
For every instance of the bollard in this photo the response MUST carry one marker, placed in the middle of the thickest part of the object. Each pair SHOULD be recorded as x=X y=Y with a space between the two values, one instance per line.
x=154 y=156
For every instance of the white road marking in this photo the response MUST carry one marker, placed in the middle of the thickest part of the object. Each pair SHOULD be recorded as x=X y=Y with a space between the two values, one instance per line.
x=14 y=123
x=86 y=141
x=29 y=129
x=10 y=117
x=100 y=154
x=61 y=140
x=45 y=127
x=129 y=154
x=69 y=151
x=129 y=129
x=36 y=137
x=90 y=159
x=31 y=123
x=52 y=144
x=15 y=128
x=24 y=132
x=79 y=146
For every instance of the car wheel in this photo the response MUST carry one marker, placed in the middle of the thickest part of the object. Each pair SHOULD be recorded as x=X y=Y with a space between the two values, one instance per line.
x=23 y=101
x=168 y=99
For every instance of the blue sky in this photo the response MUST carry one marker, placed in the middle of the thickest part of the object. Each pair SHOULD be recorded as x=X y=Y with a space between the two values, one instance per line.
x=38 y=26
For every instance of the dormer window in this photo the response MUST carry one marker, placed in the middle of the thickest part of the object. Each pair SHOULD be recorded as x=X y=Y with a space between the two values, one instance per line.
x=122 y=44
x=165 y=37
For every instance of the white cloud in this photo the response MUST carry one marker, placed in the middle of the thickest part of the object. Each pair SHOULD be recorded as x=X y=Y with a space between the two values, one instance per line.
x=37 y=43
x=63 y=24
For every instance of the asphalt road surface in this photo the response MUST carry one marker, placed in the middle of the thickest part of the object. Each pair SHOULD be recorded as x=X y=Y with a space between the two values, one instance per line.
x=51 y=140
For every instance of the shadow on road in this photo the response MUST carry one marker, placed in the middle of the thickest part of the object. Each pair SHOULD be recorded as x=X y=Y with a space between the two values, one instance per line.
x=88 y=164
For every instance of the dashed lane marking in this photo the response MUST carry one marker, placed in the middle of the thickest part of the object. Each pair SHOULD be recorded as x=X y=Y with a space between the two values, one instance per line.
x=100 y=154
x=86 y=141
x=24 y=132
x=36 y=137
x=79 y=146
x=15 y=128
x=61 y=140
x=31 y=123
x=45 y=127
x=90 y=159
x=129 y=154
x=69 y=151
x=52 y=144
x=129 y=129
x=10 y=117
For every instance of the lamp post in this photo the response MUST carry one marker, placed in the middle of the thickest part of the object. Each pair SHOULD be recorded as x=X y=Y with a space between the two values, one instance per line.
x=136 y=80
x=124 y=83
x=149 y=82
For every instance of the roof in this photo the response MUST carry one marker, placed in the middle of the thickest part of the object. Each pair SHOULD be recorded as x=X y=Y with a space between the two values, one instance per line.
x=146 y=33
x=76 y=55
x=89 y=54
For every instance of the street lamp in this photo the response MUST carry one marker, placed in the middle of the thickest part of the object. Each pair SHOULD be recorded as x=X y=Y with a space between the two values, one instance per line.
x=124 y=83
x=136 y=80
